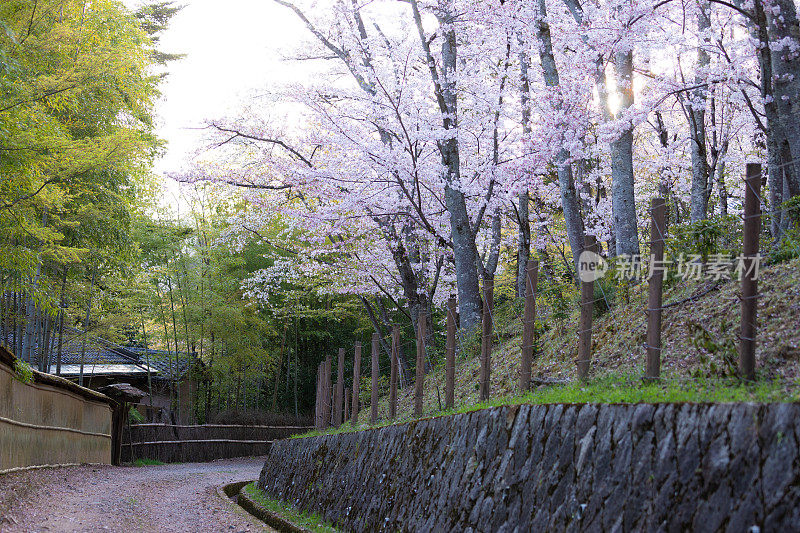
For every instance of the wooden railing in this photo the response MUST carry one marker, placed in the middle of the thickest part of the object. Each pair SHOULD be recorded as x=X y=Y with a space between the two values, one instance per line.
x=184 y=443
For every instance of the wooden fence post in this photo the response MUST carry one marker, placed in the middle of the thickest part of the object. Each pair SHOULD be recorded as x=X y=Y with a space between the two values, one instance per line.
x=373 y=398
x=420 y=378
x=356 y=384
x=326 y=395
x=486 y=339
x=318 y=399
x=393 y=375
x=339 y=398
x=316 y=402
x=749 y=271
x=346 y=403
x=585 y=325
x=450 y=354
x=658 y=228
x=528 y=324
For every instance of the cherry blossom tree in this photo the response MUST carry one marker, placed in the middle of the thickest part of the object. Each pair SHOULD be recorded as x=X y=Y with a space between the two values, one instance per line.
x=440 y=132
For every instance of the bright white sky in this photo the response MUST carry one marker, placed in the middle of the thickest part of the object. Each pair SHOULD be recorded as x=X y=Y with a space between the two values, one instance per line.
x=233 y=48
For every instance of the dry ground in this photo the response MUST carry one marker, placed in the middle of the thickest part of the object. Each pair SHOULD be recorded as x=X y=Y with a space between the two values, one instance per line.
x=173 y=497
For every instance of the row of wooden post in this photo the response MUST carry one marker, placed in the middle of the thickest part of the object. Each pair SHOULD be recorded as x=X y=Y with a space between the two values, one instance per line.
x=329 y=409
x=658 y=231
x=333 y=410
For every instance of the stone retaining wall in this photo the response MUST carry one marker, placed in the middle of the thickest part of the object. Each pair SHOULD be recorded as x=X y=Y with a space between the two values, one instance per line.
x=593 y=467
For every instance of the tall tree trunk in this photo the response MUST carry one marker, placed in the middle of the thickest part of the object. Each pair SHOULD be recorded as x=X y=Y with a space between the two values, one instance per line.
x=296 y=411
x=776 y=185
x=86 y=325
x=147 y=362
x=35 y=350
x=20 y=303
x=166 y=341
x=623 y=203
x=523 y=218
x=3 y=313
x=238 y=390
x=599 y=73
x=778 y=154
x=722 y=189
x=177 y=350
x=210 y=384
x=524 y=241
x=62 y=310
x=30 y=322
x=493 y=253
x=569 y=198
x=696 y=111
x=783 y=31
x=189 y=351
x=45 y=352
x=278 y=372
x=465 y=253
x=183 y=299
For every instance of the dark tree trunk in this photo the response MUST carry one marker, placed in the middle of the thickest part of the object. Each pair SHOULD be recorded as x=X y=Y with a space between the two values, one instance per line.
x=569 y=199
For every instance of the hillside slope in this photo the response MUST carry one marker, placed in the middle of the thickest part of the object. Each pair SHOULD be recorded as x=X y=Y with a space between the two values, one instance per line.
x=699 y=337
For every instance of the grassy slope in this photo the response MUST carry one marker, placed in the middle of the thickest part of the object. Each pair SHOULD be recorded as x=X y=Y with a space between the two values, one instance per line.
x=618 y=349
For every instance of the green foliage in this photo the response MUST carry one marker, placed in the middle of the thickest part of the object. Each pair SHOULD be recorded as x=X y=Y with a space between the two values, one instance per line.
x=630 y=389
x=715 y=235
x=365 y=391
x=557 y=295
x=135 y=416
x=308 y=521
x=191 y=295
x=792 y=208
x=23 y=371
x=147 y=462
x=788 y=247
x=468 y=344
x=605 y=290
x=507 y=317
x=77 y=140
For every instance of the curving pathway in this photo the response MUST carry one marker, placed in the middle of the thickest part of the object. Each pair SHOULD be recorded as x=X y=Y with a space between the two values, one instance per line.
x=170 y=498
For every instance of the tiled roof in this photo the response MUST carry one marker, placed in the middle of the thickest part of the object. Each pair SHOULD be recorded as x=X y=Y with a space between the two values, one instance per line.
x=163 y=361
x=101 y=356
x=102 y=369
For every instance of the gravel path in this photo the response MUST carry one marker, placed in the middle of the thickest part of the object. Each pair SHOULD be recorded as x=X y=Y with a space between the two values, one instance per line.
x=174 y=497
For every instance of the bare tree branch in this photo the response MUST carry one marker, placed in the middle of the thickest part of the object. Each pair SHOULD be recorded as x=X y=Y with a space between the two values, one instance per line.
x=236 y=133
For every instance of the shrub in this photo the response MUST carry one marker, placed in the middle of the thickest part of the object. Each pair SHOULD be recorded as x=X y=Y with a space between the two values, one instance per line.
x=789 y=246
x=135 y=416
x=365 y=389
x=715 y=235
x=23 y=371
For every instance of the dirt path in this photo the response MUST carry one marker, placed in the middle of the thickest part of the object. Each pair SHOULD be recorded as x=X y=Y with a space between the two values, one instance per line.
x=176 y=497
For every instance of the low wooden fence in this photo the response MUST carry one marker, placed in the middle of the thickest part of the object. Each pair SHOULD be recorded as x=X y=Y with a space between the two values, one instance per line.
x=49 y=420
x=172 y=443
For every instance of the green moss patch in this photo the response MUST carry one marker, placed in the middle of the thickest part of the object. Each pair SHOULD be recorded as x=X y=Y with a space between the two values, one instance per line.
x=278 y=514
x=617 y=389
